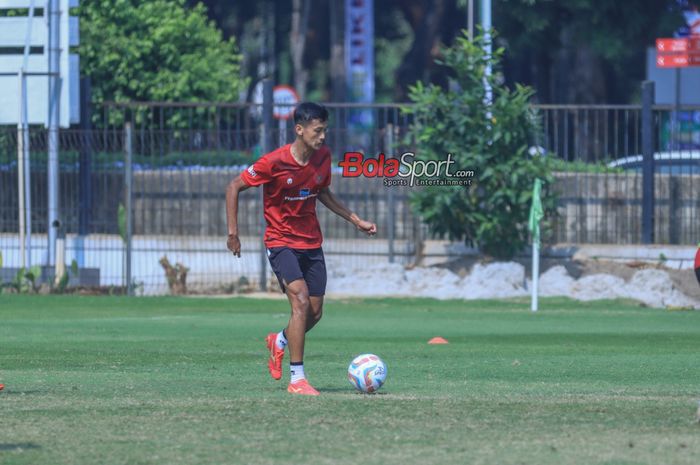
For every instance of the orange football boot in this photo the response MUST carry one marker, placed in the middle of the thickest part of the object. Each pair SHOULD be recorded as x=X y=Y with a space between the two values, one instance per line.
x=274 y=361
x=302 y=387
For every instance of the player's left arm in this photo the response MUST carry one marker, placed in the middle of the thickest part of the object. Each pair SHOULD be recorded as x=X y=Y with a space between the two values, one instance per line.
x=336 y=206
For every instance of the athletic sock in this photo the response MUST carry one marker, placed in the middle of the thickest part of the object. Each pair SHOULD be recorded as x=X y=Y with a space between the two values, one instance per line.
x=296 y=369
x=281 y=340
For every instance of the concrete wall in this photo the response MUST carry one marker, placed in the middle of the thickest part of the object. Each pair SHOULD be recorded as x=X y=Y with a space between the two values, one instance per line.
x=212 y=266
x=593 y=208
x=607 y=209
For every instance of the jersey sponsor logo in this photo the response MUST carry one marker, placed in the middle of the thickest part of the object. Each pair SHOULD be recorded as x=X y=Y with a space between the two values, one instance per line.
x=251 y=171
x=319 y=178
x=289 y=180
x=303 y=195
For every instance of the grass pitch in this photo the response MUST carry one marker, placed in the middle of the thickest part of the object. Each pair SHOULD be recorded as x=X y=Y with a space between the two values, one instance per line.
x=183 y=381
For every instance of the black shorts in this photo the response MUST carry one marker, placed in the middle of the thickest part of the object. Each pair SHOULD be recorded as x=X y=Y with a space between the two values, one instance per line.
x=292 y=264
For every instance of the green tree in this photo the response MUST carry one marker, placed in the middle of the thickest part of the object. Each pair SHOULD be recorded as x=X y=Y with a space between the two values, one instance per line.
x=583 y=51
x=491 y=139
x=156 y=50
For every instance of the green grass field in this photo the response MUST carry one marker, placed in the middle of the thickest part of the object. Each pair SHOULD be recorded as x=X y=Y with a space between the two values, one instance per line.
x=183 y=381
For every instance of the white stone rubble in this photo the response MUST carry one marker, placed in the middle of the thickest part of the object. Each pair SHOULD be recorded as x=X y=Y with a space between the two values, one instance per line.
x=652 y=287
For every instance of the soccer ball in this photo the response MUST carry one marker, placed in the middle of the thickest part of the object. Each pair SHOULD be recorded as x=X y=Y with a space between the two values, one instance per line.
x=367 y=373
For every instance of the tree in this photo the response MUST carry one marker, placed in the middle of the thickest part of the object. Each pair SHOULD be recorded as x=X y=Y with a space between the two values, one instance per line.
x=584 y=51
x=156 y=50
x=491 y=139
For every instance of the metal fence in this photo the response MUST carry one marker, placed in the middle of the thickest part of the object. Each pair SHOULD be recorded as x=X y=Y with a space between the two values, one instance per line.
x=182 y=156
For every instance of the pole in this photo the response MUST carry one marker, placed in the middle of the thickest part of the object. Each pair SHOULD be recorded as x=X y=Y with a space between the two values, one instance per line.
x=27 y=173
x=85 y=166
x=54 y=53
x=486 y=25
x=536 y=215
x=647 y=162
x=128 y=184
x=391 y=209
x=535 y=275
x=282 y=126
x=28 y=36
x=60 y=254
x=266 y=140
x=676 y=126
x=470 y=19
x=20 y=174
x=24 y=171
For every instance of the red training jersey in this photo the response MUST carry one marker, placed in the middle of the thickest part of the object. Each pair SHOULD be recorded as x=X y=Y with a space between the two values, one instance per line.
x=289 y=196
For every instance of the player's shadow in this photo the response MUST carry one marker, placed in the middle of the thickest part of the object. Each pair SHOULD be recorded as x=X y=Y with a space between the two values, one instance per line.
x=349 y=391
x=20 y=393
x=333 y=389
x=18 y=446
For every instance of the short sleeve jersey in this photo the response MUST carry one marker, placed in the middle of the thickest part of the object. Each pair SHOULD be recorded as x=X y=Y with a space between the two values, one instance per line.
x=289 y=196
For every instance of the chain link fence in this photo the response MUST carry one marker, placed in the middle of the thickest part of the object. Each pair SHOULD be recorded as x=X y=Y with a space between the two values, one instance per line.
x=182 y=156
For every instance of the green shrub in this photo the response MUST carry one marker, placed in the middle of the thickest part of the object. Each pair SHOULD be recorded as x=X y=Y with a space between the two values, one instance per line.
x=491 y=139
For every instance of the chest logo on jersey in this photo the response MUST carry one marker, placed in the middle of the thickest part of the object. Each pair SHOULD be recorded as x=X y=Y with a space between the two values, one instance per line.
x=303 y=195
x=319 y=178
x=289 y=180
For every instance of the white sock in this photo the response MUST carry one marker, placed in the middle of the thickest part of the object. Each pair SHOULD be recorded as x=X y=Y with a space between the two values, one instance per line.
x=297 y=372
x=281 y=341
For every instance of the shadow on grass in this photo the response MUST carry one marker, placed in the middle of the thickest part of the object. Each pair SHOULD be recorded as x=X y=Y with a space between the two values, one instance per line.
x=350 y=391
x=20 y=393
x=18 y=446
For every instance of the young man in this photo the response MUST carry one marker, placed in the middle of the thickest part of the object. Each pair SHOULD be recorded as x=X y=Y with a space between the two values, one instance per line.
x=293 y=177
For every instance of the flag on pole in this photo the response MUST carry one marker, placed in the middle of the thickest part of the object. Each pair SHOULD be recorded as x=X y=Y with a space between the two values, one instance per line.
x=536 y=212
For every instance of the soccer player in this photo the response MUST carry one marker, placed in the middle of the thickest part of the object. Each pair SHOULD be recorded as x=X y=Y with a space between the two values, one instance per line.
x=293 y=177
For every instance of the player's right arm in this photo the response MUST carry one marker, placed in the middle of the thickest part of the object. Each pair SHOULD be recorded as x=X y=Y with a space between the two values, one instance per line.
x=257 y=174
x=234 y=187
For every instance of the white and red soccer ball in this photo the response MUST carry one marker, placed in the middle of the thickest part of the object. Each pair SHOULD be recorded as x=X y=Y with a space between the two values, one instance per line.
x=367 y=373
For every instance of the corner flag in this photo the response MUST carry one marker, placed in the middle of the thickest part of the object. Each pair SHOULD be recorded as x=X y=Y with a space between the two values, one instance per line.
x=536 y=214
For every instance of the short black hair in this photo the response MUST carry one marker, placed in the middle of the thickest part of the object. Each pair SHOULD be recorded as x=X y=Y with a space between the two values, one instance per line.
x=306 y=112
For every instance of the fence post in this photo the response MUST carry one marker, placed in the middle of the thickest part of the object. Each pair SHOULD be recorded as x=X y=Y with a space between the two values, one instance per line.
x=85 y=165
x=266 y=141
x=390 y=202
x=647 y=162
x=675 y=210
x=128 y=207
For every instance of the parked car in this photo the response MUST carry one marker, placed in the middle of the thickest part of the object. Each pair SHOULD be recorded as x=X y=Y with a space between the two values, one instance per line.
x=676 y=162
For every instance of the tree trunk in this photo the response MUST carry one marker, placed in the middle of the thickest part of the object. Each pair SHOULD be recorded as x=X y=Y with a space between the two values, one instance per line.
x=176 y=276
x=425 y=18
x=337 y=32
x=580 y=77
x=300 y=22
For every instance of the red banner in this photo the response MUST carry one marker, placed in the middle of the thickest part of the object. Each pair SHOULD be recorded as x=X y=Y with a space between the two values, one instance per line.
x=678 y=52
x=682 y=45
x=678 y=60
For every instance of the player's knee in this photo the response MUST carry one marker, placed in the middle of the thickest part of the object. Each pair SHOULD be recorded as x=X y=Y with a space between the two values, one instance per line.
x=300 y=301
x=316 y=313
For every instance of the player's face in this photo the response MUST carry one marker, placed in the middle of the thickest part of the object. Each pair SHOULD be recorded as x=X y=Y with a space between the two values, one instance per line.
x=313 y=134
